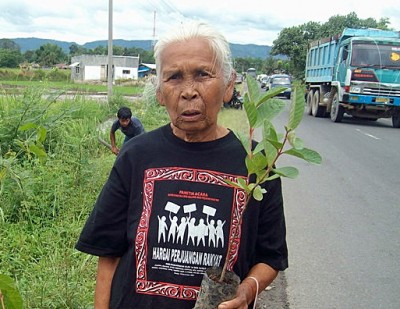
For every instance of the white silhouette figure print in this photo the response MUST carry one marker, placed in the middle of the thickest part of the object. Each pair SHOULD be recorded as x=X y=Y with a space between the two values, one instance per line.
x=172 y=228
x=162 y=227
x=183 y=228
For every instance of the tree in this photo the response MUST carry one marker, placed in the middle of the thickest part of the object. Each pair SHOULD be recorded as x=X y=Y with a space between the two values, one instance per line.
x=75 y=49
x=29 y=56
x=49 y=55
x=10 y=58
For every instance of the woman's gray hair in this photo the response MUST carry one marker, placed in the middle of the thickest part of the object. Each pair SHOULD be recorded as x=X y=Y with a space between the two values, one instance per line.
x=194 y=29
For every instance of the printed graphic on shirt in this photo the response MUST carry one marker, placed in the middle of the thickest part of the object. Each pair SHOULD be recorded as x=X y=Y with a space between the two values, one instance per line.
x=188 y=218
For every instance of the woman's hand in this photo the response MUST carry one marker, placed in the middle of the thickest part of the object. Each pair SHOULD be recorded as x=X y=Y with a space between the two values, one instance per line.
x=246 y=293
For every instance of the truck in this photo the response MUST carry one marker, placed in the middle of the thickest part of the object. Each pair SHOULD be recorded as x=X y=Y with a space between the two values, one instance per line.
x=251 y=72
x=355 y=73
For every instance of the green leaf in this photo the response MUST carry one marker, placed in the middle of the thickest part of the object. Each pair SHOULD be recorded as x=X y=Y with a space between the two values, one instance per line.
x=251 y=110
x=38 y=151
x=271 y=153
x=273 y=176
x=269 y=131
x=294 y=141
x=27 y=126
x=253 y=90
x=12 y=297
x=256 y=163
x=287 y=171
x=306 y=154
x=41 y=134
x=258 y=193
x=269 y=110
x=261 y=175
x=3 y=173
x=296 y=110
x=259 y=148
x=270 y=94
x=242 y=183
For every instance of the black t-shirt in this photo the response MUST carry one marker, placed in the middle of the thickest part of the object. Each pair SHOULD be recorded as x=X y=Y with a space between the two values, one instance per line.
x=134 y=128
x=168 y=213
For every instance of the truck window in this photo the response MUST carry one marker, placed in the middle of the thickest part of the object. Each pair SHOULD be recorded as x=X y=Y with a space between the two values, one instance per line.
x=377 y=55
x=345 y=53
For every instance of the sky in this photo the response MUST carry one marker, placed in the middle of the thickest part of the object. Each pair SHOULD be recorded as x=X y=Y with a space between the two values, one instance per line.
x=242 y=22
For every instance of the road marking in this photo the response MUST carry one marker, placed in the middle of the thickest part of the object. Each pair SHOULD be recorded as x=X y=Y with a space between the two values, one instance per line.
x=367 y=134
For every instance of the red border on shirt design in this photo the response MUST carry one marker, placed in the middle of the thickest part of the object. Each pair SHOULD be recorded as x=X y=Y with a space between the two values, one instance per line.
x=167 y=289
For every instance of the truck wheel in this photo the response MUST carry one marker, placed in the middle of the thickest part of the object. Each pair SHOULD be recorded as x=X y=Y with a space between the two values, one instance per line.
x=309 y=102
x=396 y=120
x=337 y=111
x=316 y=109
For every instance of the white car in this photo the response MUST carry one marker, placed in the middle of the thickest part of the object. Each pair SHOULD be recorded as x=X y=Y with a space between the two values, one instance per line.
x=264 y=81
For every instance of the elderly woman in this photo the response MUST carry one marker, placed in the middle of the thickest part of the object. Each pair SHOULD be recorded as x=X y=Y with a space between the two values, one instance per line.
x=170 y=181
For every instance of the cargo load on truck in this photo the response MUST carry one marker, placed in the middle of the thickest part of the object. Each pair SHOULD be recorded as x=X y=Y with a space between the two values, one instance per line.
x=356 y=73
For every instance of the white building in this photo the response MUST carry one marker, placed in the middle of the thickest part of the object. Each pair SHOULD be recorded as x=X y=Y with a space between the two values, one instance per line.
x=95 y=67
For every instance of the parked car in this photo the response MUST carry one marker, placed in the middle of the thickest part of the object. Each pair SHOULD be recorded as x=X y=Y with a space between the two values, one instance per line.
x=264 y=81
x=260 y=77
x=280 y=80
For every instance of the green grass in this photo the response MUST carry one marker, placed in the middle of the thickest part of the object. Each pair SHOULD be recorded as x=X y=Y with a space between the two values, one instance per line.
x=15 y=87
x=234 y=119
x=14 y=81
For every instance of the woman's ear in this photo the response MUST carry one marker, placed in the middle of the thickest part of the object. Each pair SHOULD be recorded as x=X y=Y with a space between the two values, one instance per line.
x=229 y=89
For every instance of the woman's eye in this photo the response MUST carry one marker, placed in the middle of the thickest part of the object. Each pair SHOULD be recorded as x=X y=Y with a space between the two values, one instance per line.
x=203 y=74
x=174 y=76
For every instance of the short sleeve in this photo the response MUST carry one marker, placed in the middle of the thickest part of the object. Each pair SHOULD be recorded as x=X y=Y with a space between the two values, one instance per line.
x=104 y=233
x=115 y=126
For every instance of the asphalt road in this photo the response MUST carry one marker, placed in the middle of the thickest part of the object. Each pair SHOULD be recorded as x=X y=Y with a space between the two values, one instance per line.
x=342 y=219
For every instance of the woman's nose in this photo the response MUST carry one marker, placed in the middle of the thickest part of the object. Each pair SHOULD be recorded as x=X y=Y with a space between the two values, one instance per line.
x=189 y=90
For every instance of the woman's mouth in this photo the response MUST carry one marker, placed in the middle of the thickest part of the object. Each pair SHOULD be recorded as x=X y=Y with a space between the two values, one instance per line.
x=191 y=115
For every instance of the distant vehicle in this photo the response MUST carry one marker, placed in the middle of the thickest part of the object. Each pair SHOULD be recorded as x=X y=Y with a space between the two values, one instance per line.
x=264 y=81
x=261 y=76
x=239 y=78
x=252 y=72
x=355 y=73
x=280 y=80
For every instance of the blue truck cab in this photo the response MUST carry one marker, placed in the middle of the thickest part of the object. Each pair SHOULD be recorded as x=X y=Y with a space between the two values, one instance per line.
x=357 y=73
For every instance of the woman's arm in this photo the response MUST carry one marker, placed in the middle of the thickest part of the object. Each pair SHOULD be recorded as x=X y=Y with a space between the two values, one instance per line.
x=105 y=271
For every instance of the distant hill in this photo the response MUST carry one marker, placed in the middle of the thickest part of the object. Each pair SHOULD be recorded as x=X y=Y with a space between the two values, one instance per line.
x=35 y=43
x=238 y=50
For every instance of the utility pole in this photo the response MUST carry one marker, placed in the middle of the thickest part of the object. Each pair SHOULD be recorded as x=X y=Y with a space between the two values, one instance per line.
x=110 y=52
x=154 y=31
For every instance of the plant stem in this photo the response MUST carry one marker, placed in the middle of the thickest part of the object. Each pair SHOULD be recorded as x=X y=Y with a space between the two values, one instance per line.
x=250 y=194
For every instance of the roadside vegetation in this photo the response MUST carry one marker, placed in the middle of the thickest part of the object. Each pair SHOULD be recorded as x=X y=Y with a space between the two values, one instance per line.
x=14 y=81
x=52 y=168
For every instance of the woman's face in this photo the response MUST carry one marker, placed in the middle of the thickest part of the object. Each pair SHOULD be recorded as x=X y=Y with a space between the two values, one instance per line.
x=192 y=89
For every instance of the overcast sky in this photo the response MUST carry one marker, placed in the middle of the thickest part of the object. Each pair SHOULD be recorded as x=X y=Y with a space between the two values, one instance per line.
x=241 y=21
